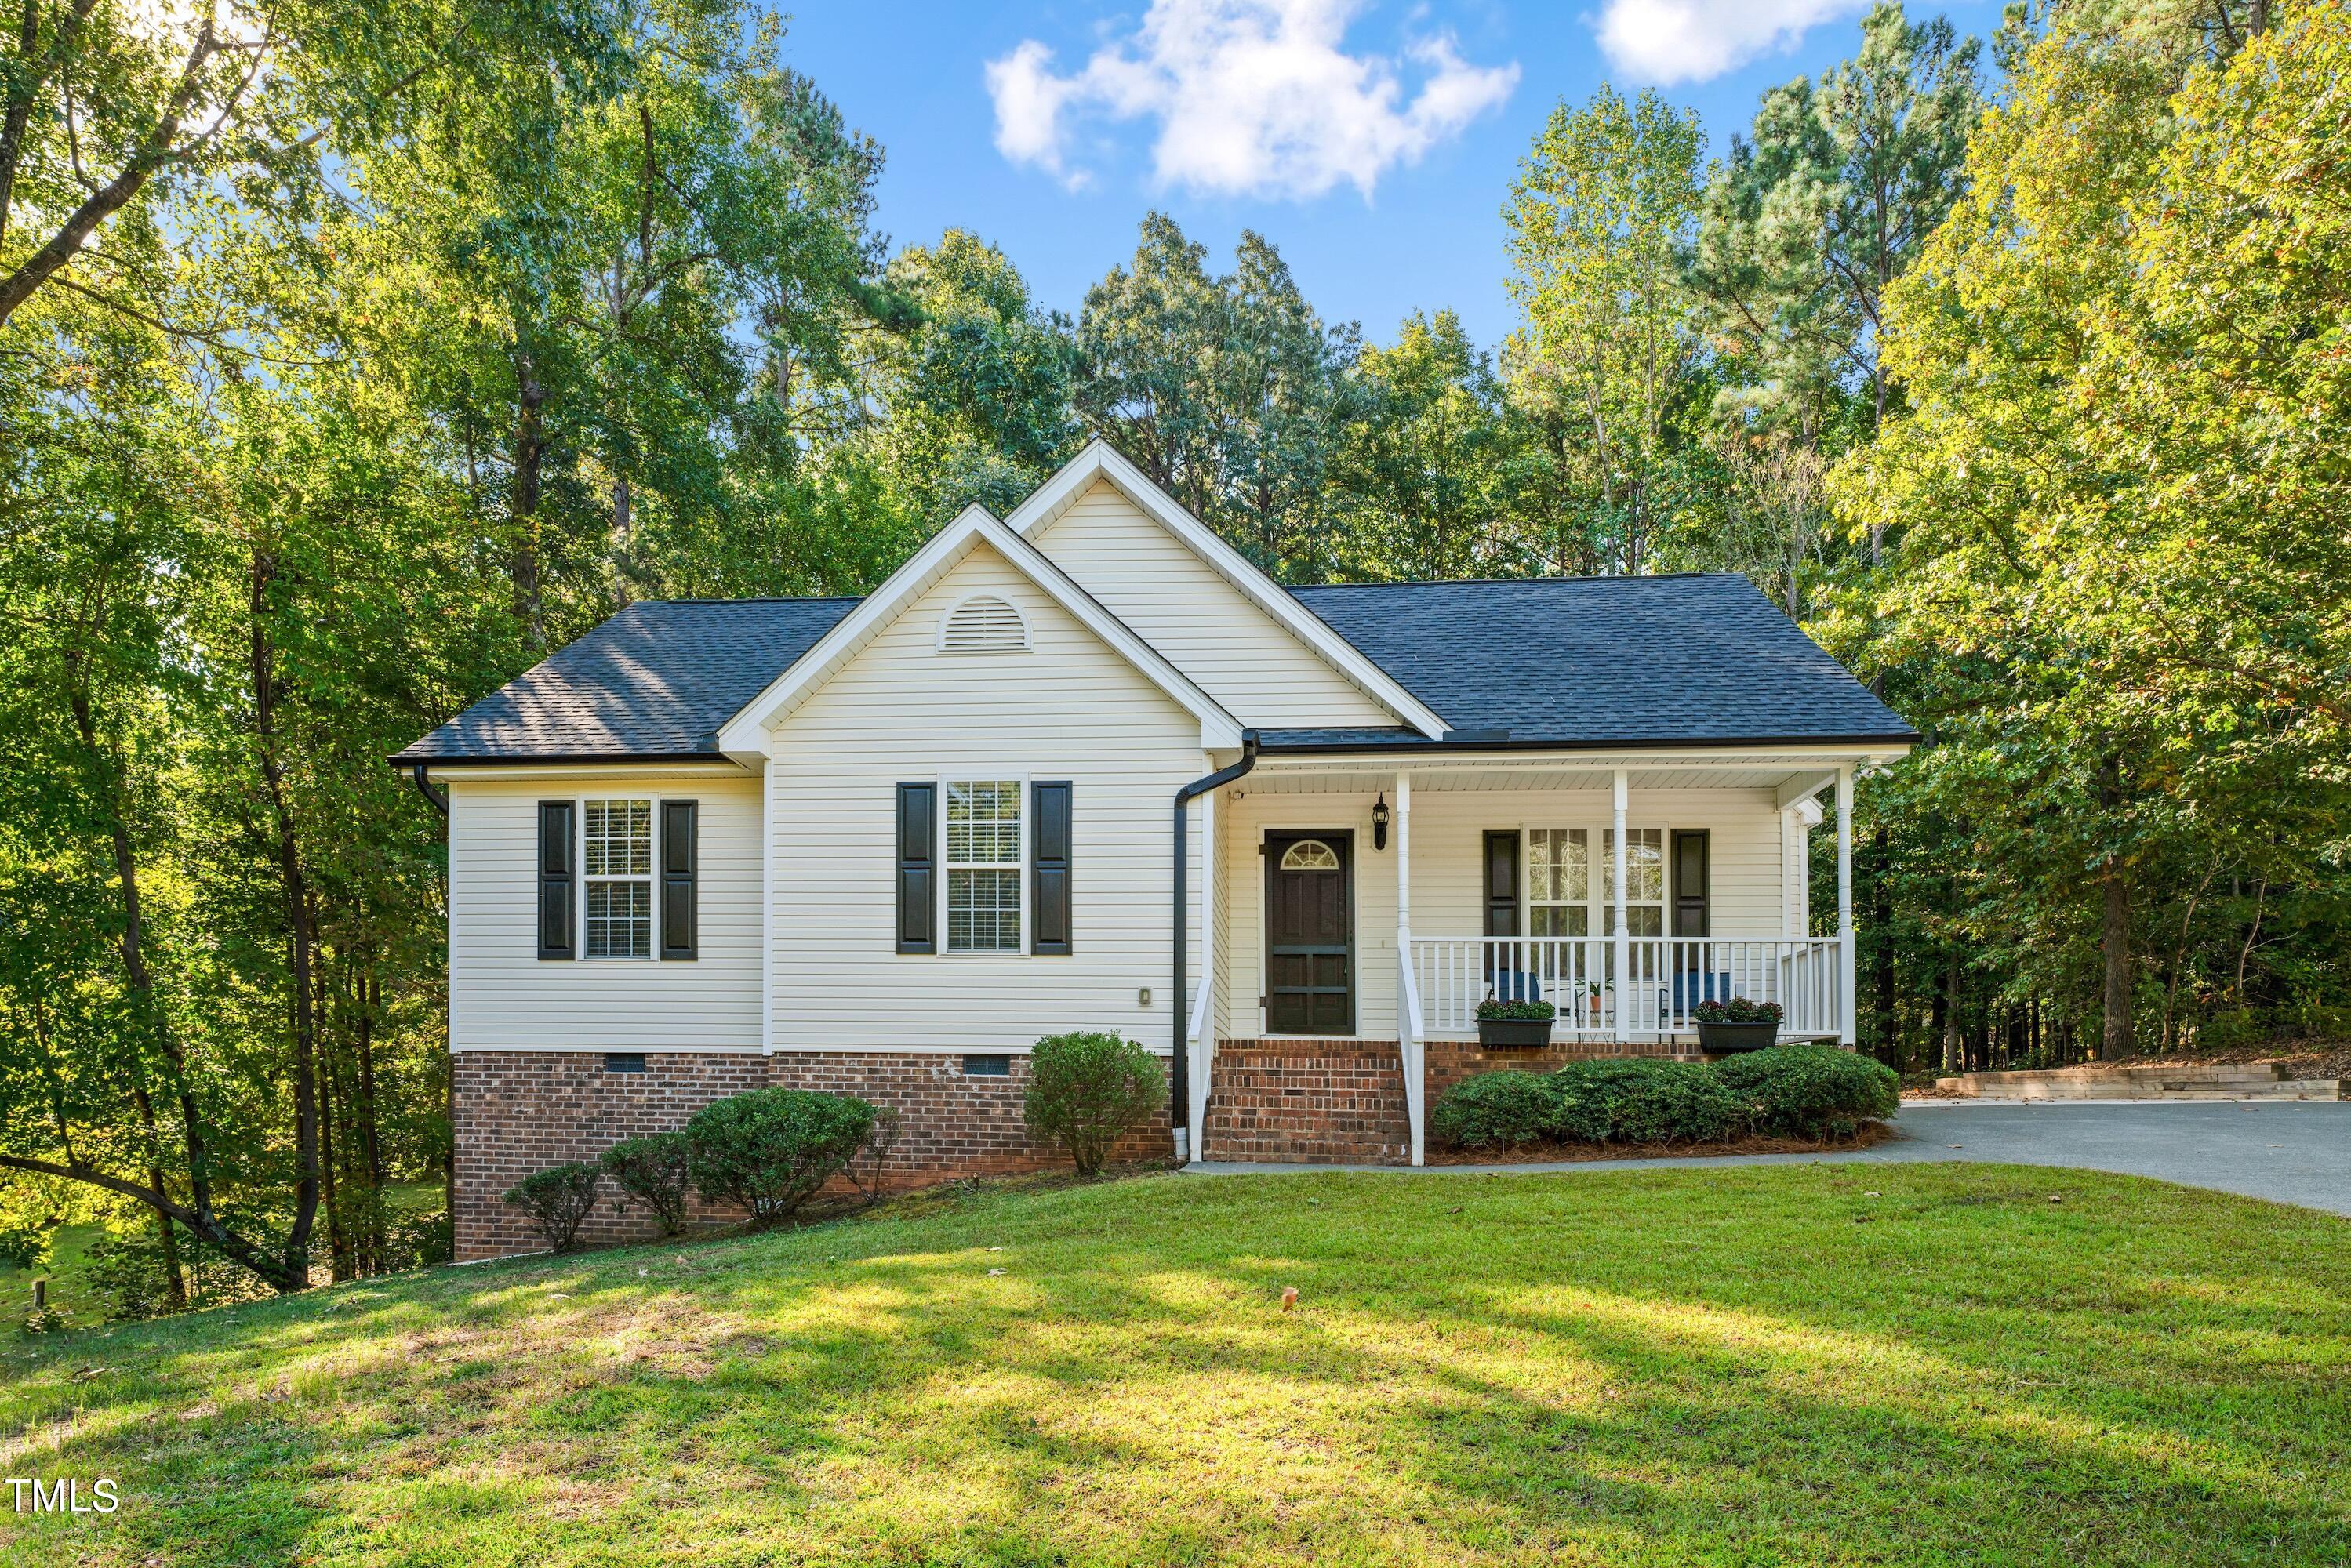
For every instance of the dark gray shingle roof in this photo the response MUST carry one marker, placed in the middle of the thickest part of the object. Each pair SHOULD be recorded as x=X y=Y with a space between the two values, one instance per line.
x=656 y=680
x=1598 y=661
x=1571 y=661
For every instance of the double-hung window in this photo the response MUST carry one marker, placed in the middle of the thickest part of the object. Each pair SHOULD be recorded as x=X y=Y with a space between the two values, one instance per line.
x=1565 y=899
x=617 y=864
x=983 y=865
x=1559 y=882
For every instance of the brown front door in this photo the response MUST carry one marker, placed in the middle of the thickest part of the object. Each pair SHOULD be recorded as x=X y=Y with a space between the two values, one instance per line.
x=1310 y=933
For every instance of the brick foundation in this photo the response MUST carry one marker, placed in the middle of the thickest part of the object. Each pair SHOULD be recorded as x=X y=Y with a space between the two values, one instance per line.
x=522 y=1110
x=1307 y=1102
x=1451 y=1061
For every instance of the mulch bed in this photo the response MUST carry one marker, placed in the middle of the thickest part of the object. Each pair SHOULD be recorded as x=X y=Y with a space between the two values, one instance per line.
x=1870 y=1134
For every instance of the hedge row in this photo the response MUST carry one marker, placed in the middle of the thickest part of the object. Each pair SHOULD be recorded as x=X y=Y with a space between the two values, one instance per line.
x=1789 y=1091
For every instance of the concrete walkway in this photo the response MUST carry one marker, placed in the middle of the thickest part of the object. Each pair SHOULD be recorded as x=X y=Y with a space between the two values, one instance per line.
x=2287 y=1151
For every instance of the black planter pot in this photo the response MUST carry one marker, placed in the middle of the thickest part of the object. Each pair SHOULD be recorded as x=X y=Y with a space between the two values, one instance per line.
x=1729 y=1037
x=1514 y=1034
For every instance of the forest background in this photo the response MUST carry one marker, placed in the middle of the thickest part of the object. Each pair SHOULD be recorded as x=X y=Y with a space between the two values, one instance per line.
x=349 y=361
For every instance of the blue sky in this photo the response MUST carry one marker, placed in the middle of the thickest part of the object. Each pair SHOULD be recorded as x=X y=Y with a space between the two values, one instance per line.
x=1373 y=141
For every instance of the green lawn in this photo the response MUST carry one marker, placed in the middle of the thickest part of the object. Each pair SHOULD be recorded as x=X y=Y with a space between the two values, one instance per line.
x=1759 y=1366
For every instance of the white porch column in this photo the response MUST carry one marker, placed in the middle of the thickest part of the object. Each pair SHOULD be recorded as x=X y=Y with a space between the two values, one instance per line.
x=1408 y=1042
x=1845 y=905
x=1624 y=934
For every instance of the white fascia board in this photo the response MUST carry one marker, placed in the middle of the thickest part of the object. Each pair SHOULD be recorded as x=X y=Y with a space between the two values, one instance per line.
x=1099 y=460
x=745 y=735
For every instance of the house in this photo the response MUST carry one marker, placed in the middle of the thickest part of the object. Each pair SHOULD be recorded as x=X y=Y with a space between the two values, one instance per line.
x=1087 y=768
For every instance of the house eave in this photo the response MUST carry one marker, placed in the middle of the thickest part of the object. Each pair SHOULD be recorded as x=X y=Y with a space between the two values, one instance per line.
x=406 y=759
x=1895 y=744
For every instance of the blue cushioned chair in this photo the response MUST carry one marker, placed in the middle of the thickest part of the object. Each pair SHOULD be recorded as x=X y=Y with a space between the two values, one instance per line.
x=1517 y=986
x=1691 y=988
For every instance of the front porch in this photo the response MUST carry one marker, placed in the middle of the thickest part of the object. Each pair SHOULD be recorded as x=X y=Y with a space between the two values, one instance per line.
x=1355 y=915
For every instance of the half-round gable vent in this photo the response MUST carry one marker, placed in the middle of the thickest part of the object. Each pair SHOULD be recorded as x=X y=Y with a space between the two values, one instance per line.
x=983 y=624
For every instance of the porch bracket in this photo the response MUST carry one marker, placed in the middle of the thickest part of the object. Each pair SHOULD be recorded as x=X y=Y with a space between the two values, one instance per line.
x=1803 y=787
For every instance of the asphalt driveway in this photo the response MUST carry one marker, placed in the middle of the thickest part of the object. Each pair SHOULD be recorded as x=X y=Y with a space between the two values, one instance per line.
x=2287 y=1151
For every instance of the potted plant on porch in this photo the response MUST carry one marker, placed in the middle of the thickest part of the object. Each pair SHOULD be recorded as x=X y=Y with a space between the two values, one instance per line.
x=1514 y=1025
x=1737 y=1024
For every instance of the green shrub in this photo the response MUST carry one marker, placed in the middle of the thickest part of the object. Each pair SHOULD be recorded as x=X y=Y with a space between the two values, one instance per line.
x=1502 y=1109
x=1494 y=1009
x=556 y=1202
x=768 y=1152
x=1644 y=1100
x=1810 y=1090
x=652 y=1170
x=1085 y=1090
x=1737 y=1010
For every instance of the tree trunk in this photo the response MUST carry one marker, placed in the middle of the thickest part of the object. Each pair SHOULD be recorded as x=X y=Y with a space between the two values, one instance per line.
x=371 y=1137
x=295 y=886
x=1953 y=1059
x=130 y=947
x=175 y=1284
x=530 y=464
x=1881 y=924
x=623 y=520
x=2114 y=936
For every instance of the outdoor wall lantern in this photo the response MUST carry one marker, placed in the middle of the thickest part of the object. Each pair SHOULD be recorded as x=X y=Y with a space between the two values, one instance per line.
x=1380 y=821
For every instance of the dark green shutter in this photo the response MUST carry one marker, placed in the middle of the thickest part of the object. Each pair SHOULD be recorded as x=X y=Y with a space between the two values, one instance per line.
x=555 y=880
x=1048 y=855
x=918 y=840
x=1501 y=885
x=679 y=855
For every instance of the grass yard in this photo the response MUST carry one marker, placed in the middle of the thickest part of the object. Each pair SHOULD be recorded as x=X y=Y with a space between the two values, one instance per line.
x=1761 y=1365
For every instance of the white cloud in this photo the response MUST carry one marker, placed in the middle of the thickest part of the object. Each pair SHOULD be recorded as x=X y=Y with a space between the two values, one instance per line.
x=1252 y=96
x=1669 y=41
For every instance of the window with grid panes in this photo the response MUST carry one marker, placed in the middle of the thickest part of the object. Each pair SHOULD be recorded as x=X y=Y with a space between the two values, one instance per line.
x=983 y=865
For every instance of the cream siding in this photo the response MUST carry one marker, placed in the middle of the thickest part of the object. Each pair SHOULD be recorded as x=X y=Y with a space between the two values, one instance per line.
x=901 y=710
x=1203 y=624
x=503 y=996
x=1449 y=887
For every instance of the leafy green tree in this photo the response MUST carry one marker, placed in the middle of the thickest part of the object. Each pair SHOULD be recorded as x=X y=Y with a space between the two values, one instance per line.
x=1228 y=391
x=1421 y=463
x=2120 y=595
x=974 y=400
x=1600 y=211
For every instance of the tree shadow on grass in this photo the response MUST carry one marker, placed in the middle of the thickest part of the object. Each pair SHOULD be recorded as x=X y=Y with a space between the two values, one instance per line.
x=1485 y=1379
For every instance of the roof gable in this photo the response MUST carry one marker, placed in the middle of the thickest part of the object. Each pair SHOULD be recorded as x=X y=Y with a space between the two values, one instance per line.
x=1100 y=463
x=743 y=736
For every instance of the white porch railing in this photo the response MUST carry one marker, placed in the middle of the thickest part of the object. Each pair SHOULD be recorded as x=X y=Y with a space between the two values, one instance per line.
x=1668 y=976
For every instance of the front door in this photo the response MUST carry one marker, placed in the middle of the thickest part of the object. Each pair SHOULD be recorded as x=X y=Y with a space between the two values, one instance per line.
x=1310 y=933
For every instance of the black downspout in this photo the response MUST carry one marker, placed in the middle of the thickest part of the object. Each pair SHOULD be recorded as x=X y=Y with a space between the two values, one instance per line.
x=439 y=799
x=1180 y=1074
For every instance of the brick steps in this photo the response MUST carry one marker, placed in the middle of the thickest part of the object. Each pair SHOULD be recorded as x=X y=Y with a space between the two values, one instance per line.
x=1306 y=1102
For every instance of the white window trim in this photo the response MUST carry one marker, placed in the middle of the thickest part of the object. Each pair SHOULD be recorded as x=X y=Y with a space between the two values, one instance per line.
x=1028 y=637
x=652 y=953
x=947 y=869
x=1603 y=866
